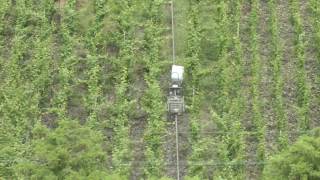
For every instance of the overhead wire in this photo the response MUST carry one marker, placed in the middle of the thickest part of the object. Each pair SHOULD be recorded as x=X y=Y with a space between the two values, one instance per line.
x=173 y=33
x=173 y=62
x=187 y=163
x=224 y=132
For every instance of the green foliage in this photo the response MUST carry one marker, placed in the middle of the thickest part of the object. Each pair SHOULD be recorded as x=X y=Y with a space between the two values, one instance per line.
x=223 y=149
x=192 y=178
x=314 y=9
x=256 y=80
x=192 y=65
x=156 y=127
x=314 y=13
x=66 y=59
x=153 y=97
x=94 y=61
x=67 y=152
x=9 y=151
x=303 y=89
x=299 y=161
x=105 y=63
x=277 y=87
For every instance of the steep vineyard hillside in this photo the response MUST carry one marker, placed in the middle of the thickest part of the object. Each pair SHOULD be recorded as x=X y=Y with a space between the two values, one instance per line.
x=83 y=86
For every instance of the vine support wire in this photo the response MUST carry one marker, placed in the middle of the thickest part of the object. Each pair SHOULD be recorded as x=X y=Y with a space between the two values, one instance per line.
x=177 y=148
x=174 y=61
x=173 y=33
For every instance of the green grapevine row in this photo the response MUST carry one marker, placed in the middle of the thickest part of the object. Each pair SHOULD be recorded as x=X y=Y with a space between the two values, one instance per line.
x=26 y=78
x=65 y=67
x=193 y=66
x=277 y=87
x=94 y=95
x=153 y=97
x=315 y=13
x=303 y=89
x=228 y=144
x=258 y=122
x=122 y=156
